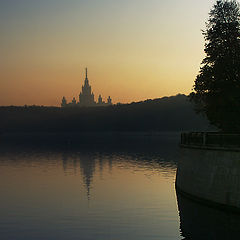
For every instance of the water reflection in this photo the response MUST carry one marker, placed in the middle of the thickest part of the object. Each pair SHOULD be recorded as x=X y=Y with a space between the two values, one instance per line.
x=89 y=191
x=86 y=164
x=87 y=160
x=157 y=153
x=198 y=221
x=101 y=191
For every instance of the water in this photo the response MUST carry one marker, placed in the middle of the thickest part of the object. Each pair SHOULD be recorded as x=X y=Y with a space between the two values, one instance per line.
x=119 y=191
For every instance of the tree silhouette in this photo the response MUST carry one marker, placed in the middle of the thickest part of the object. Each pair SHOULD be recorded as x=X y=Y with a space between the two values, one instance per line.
x=217 y=86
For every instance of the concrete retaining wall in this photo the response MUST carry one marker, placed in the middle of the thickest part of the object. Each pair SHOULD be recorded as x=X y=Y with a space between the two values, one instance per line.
x=210 y=175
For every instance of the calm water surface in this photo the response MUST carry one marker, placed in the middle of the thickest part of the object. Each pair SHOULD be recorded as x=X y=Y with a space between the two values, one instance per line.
x=98 y=192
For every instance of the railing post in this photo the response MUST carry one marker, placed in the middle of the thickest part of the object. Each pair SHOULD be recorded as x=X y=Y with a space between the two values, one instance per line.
x=211 y=139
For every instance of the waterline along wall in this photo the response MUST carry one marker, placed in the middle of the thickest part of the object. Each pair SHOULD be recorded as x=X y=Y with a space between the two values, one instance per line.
x=209 y=168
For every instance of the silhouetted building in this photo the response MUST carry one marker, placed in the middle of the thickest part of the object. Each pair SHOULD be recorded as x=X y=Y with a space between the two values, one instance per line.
x=86 y=97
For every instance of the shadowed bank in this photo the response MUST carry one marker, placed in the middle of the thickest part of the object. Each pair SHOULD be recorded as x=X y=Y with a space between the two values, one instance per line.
x=198 y=221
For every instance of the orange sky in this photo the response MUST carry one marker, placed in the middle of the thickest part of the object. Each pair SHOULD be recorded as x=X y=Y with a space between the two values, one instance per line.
x=134 y=50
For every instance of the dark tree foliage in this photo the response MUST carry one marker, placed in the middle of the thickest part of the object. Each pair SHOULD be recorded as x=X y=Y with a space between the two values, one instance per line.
x=217 y=86
x=165 y=114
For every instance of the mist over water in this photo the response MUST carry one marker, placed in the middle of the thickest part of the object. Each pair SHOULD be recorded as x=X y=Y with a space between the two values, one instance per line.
x=100 y=190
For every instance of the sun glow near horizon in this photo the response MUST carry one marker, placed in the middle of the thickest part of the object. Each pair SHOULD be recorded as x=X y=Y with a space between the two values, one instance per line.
x=134 y=50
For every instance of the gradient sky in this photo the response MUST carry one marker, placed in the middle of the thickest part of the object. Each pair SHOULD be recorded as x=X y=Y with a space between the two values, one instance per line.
x=134 y=49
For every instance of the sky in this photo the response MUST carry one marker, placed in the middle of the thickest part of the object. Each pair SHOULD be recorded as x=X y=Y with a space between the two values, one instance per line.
x=134 y=49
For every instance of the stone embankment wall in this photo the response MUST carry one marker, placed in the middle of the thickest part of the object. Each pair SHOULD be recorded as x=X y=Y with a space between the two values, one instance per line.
x=211 y=175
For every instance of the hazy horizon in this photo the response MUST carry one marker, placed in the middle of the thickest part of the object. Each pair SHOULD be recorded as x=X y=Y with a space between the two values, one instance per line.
x=134 y=50
x=114 y=103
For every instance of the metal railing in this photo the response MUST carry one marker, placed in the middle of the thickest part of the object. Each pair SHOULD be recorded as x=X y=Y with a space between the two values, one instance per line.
x=211 y=139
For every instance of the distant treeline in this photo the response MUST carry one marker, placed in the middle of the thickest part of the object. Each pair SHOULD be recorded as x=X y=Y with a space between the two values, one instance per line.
x=164 y=114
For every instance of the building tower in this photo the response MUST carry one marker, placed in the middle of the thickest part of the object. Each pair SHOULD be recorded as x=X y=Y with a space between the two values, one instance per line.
x=109 y=101
x=64 y=102
x=100 y=101
x=86 y=97
x=74 y=102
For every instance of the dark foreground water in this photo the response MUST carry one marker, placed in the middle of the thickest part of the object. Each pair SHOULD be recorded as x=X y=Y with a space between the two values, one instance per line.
x=112 y=190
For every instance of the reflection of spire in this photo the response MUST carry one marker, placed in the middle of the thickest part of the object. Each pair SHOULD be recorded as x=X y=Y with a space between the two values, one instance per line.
x=110 y=163
x=64 y=161
x=75 y=166
x=100 y=166
x=87 y=165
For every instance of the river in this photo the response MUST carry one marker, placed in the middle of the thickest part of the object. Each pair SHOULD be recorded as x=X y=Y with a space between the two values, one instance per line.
x=100 y=191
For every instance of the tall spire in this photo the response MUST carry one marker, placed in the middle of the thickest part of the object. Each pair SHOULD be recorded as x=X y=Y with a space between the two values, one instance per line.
x=86 y=83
